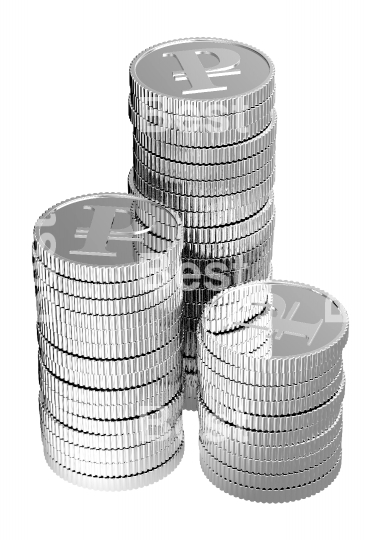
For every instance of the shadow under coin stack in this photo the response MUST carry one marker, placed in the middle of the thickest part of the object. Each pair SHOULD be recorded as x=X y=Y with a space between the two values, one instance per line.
x=108 y=281
x=204 y=146
x=271 y=390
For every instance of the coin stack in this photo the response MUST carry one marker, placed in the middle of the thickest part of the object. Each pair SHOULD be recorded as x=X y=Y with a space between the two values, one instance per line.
x=204 y=146
x=271 y=390
x=108 y=280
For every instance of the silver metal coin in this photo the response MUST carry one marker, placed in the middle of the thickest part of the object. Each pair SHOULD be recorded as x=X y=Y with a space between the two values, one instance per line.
x=109 y=346
x=117 y=376
x=320 y=416
x=228 y=395
x=174 y=77
x=129 y=367
x=211 y=424
x=218 y=436
x=152 y=433
x=161 y=298
x=107 y=411
x=307 y=326
x=106 y=456
x=208 y=156
x=57 y=388
x=270 y=393
x=147 y=425
x=119 y=483
x=106 y=291
x=195 y=172
x=91 y=238
x=215 y=135
x=263 y=481
x=184 y=122
x=271 y=495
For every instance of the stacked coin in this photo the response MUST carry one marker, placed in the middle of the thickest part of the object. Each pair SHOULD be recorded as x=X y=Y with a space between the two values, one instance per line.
x=204 y=145
x=271 y=390
x=108 y=280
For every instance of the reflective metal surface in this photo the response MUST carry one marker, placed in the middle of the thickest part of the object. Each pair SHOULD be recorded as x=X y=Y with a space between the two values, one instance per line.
x=271 y=387
x=109 y=290
x=188 y=73
x=101 y=236
x=204 y=125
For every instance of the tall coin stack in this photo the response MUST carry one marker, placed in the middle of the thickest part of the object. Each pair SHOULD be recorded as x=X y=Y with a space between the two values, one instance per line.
x=108 y=282
x=204 y=145
x=271 y=390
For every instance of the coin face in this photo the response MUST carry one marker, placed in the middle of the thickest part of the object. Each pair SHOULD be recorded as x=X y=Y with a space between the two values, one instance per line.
x=202 y=69
x=305 y=321
x=107 y=230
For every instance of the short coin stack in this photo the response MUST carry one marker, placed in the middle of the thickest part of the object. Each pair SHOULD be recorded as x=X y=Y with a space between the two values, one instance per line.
x=204 y=145
x=107 y=270
x=271 y=390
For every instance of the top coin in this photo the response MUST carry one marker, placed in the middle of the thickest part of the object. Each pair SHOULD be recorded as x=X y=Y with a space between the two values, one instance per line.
x=108 y=238
x=306 y=323
x=202 y=77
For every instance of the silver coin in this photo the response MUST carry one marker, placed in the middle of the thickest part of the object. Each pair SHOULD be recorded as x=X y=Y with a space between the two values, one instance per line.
x=205 y=188
x=115 y=469
x=263 y=481
x=144 y=426
x=232 y=232
x=117 y=484
x=108 y=411
x=265 y=465
x=312 y=377
x=105 y=291
x=117 y=348
x=155 y=430
x=159 y=299
x=252 y=337
x=91 y=238
x=103 y=337
x=210 y=423
x=113 y=455
x=217 y=435
x=309 y=375
x=209 y=156
x=307 y=325
x=54 y=316
x=204 y=278
x=253 y=197
x=232 y=247
x=94 y=374
x=318 y=416
x=234 y=263
x=268 y=393
x=268 y=467
x=214 y=396
x=184 y=122
x=112 y=367
x=172 y=77
x=216 y=135
x=271 y=495
x=112 y=468
x=53 y=305
x=194 y=172
x=55 y=388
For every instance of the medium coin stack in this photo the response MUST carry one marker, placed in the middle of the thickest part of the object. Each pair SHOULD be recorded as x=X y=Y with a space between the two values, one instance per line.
x=271 y=390
x=204 y=145
x=108 y=280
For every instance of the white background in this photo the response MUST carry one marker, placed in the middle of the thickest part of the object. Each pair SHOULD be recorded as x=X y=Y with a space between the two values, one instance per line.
x=65 y=131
